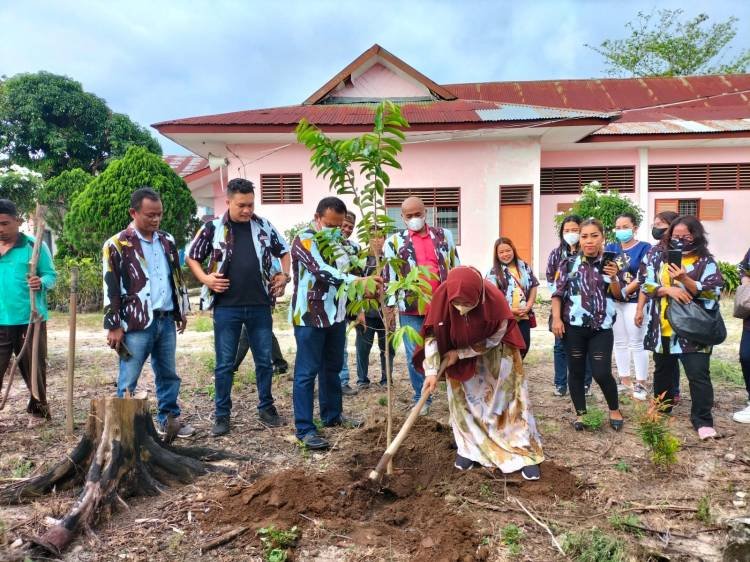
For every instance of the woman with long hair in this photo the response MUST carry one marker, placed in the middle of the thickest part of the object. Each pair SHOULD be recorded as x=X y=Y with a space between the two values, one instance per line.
x=697 y=278
x=569 y=234
x=470 y=330
x=517 y=282
x=628 y=335
x=583 y=312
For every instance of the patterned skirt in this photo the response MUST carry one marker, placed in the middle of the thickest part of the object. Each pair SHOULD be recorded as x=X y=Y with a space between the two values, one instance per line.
x=491 y=413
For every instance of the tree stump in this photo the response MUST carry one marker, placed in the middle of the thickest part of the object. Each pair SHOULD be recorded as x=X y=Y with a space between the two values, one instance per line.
x=120 y=455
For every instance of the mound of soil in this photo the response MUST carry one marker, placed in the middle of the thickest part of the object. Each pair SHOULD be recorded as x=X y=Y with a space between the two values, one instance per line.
x=409 y=514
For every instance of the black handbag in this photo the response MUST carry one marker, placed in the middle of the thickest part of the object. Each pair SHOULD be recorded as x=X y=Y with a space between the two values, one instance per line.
x=694 y=323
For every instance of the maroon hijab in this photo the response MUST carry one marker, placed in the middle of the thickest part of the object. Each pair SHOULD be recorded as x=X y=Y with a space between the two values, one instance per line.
x=453 y=331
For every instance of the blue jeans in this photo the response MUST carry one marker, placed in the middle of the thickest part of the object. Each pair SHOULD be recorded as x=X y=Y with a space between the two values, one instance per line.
x=228 y=322
x=320 y=352
x=344 y=374
x=561 y=366
x=416 y=378
x=159 y=341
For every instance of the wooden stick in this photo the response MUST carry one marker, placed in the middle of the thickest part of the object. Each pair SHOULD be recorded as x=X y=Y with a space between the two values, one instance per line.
x=542 y=525
x=35 y=323
x=222 y=539
x=71 y=349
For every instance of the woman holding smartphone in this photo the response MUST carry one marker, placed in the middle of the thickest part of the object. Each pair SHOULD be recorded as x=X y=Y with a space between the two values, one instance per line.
x=569 y=234
x=628 y=335
x=686 y=272
x=583 y=312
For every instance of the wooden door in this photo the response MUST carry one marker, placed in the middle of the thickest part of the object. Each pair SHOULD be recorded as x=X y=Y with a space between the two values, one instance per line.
x=517 y=219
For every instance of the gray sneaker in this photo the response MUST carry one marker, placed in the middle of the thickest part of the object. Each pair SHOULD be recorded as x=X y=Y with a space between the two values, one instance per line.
x=559 y=391
x=347 y=390
x=588 y=391
x=185 y=430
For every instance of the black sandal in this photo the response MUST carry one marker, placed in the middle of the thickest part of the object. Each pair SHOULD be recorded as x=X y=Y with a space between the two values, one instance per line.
x=616 y=424
x=578 y=425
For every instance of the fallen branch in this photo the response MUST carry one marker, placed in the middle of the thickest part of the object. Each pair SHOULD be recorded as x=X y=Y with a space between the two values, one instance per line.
x=542 y=525
x=667 y=533
x=221 y=540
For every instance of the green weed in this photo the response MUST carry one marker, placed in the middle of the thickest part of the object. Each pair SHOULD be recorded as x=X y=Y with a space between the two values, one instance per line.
x=726 y=371
x=594 y=546
x=622 y=466
x=511 y=536
x=485 y=491
x=704 y=510
x=203 y=324
x=21 y=468
x=277 y=542
x=593 y=419
x=383 y=401
x=627 y=523
x=318 y=424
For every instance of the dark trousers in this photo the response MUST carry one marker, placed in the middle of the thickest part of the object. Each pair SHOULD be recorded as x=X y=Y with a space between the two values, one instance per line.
x=365 y=338
x=11 y=341
x=277 y=359
x=745 y=358
x=597 y=345
x=525 y=327
x=561 y=365
x=698 y=372
x=320 y=353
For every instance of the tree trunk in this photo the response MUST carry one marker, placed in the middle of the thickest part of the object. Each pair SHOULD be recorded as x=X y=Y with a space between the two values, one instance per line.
x=121 y=456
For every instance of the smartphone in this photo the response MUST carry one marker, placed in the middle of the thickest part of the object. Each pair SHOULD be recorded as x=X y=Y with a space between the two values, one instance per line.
x=123 y=351
x=675 y=257
x=606 y=258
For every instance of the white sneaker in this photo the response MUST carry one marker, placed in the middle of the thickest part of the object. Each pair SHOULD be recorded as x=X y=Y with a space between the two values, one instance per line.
x=743 y=416
x=640 y=392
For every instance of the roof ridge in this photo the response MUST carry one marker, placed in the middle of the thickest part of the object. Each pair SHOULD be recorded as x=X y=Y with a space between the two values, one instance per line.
x=604 y=79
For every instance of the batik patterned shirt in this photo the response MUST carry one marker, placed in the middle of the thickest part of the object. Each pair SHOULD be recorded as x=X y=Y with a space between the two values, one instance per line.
x=744 y=270
x=556 y=257
x=709 y=282
x=215 y=241
x=585 y=294
x=128 y=302
x=316 y=281
x=400 y=245
x=516 y=290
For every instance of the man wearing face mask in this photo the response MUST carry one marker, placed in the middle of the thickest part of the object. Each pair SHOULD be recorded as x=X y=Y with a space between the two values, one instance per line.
x=241 y=284
x=319 y=320
x=351 y=247
x=417 y=245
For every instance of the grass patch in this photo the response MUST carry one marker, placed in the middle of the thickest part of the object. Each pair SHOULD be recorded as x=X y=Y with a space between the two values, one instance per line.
x=383 y=401
x=627 y=523
x=594 y=546
x=653 y=429
x=726 y=372
x=622 y=466
x=593 y=419
x=21 y=468
x=511 y=536
x=203 y=324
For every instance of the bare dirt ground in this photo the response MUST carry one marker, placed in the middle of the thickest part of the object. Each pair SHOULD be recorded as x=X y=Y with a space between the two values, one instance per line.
x=428 y=511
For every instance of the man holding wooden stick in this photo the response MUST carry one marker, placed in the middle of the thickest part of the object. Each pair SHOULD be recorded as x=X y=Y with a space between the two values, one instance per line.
x=17 y=284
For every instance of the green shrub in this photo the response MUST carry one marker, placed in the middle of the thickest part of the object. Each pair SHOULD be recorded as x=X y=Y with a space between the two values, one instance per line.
x=726 y=371
x=704 y=510
x=511 y=536
x=277 y=542
x=731 y=275
x=654 y=432
x=603 y=205
x=90 y=298
x=594 y=546
x=58 y=194
x=593 y=419
x=203 y=324
x=102 y=208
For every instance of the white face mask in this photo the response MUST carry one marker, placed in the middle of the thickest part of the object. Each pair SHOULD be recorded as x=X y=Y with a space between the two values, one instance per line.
x=415 y=224
x=463 y=310
x=571 y=238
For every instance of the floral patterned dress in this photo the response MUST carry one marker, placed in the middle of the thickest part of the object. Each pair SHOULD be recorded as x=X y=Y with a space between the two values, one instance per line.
x=490 y=413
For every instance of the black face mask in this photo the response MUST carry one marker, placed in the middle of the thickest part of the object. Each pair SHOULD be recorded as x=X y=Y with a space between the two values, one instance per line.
x=682 y=244
x=658 y=233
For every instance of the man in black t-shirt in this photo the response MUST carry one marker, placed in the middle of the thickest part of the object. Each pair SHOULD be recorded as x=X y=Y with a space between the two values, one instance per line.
x=241 y=286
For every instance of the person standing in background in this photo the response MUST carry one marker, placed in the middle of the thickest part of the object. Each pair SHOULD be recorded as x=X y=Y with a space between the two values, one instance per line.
x=347 y=229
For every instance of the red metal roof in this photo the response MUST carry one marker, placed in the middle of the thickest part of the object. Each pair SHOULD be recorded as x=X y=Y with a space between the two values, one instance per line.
x=186 y=165
x=615 y=94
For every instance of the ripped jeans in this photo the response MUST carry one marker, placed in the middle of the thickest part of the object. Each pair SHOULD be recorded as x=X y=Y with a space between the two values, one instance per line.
x=597 y=344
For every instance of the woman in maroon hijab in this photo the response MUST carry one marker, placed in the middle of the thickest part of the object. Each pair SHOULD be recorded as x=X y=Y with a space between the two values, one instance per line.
x=470 y=327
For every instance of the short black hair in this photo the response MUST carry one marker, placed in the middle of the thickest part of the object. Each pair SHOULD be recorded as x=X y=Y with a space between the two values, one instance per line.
x=136 y=199
x=240 y=185
x=629 y=215
x=8 y=207
x=351 y=217
x=333 y=203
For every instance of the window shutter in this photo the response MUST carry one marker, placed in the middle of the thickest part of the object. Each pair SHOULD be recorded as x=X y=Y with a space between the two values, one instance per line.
x=571 y=180
x=661 y=205
x=280 y=188
x=711 y=210
x=516 y=194
x=698 y=177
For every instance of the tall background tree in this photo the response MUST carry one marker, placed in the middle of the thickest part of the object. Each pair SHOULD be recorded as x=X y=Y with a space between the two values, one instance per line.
x=48 y=123
x=663 y=44
x=101 y=208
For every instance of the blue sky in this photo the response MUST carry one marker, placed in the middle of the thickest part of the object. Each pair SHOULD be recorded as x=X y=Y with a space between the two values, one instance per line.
x=157 y=60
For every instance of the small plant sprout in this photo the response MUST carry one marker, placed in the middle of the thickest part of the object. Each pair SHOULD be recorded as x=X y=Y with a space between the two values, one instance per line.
x=511 y=536
x=276 y=543
x=622 y=466
x=654 y=432
x=594 y=546
x=593 y=419
x=704 y=510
